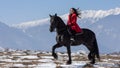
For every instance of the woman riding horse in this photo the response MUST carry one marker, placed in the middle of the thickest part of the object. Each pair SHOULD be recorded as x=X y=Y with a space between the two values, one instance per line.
x=63 y=36
x=72 y=22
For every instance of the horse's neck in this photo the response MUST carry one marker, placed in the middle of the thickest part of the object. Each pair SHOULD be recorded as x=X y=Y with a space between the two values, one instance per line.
x=61 y=25
x=61 y=28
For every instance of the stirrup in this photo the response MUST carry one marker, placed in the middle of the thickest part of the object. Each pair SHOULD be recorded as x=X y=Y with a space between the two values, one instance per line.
x=72 y=39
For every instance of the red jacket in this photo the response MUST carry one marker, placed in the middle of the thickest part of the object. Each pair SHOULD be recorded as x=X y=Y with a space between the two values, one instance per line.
x=72 y=22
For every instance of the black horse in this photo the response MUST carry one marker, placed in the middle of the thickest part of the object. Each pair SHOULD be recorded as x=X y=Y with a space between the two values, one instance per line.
x=87 y=38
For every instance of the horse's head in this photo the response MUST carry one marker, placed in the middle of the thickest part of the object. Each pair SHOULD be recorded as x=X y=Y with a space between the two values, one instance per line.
x=53 y=22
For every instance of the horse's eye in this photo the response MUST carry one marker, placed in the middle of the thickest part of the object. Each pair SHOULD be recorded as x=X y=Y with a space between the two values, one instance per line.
x=52 y=20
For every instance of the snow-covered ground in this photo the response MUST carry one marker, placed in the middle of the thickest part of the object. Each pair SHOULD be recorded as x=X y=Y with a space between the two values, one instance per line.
x=42 y=59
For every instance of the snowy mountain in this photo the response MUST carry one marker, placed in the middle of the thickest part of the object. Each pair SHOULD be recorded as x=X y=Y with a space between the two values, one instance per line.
x=108 y=33
x=14 y=38
x=36 y=35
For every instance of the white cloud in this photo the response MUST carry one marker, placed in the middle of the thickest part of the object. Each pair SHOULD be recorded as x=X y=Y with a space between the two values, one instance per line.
x=100 y=13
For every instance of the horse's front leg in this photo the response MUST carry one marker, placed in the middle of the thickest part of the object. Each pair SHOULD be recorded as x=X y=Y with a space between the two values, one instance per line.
x=69 y=55
x=53 y=50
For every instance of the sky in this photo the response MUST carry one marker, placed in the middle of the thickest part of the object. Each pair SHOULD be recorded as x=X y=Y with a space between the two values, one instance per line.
x=18 y=11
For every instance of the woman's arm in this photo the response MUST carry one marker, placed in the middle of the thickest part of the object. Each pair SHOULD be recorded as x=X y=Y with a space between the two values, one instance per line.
x=74 y=19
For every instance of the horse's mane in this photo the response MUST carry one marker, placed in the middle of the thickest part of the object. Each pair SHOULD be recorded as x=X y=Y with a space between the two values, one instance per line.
x=60 y=20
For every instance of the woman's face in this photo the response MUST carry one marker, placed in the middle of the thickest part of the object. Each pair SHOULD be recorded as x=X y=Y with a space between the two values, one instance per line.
x=71 y=11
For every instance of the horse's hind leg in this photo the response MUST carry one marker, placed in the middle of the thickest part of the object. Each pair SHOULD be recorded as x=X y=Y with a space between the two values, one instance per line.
x=53 y=50
x=93 y=58
x=91 y=55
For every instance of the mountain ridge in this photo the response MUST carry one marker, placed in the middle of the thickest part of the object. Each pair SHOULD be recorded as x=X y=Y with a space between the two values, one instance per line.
x=91 y=15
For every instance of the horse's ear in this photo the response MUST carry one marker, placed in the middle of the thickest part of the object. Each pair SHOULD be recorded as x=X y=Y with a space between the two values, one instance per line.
x=50 y=15
x=55 y=14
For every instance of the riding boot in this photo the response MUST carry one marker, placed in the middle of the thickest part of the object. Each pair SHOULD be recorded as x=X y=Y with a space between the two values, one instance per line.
x=72 y=38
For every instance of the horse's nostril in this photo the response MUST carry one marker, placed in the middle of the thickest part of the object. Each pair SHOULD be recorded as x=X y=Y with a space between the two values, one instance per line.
x=50 y=30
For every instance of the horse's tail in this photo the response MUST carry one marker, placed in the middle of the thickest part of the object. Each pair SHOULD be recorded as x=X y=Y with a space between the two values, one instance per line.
x=96 y=49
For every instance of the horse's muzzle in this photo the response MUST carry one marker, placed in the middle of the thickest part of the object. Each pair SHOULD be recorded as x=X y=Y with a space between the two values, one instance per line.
x=51 y=30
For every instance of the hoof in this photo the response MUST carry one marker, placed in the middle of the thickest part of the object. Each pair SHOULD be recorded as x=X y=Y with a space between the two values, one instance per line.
x=55 y=55
x=68 y=62
x=92 y=62
x=88 y=65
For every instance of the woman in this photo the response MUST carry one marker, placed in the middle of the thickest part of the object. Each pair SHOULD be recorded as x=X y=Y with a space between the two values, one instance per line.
x=72 y=21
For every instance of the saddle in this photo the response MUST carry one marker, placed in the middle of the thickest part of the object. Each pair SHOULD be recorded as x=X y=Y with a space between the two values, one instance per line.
x=79 y=33
x=73 y=37
x=69 y=31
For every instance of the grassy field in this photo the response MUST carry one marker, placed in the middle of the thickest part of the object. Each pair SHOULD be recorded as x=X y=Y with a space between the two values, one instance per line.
x=42 y=59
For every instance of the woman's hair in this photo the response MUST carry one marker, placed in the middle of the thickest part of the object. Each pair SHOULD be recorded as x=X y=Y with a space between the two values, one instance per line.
x=77 y=12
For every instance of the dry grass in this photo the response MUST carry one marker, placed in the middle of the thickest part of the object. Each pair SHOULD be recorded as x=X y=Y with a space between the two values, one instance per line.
x=80 y=58
x=20 y=67
x=110 y=57
x=15 y=58
x=30 y=59
x=35 y=61
x=41 y=54
x=30 y=63
x=59 y=66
